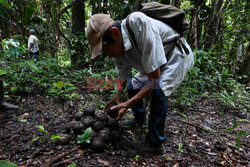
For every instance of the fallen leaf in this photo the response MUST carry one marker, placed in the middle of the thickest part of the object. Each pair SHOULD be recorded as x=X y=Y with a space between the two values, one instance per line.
x=176 y=164
x=104 y=162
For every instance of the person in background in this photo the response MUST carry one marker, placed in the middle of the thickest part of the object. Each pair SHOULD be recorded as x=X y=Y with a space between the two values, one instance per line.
x=4 y=105
x=160 y=71
x=15 y=47
x=33 y=45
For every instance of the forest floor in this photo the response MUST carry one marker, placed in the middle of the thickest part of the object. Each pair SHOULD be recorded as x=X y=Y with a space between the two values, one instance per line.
x=196 y=135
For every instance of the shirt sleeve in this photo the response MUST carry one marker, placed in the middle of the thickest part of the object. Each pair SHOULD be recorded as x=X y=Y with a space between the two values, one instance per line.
x=32 y=39
x=123 y=71
x=148 y=41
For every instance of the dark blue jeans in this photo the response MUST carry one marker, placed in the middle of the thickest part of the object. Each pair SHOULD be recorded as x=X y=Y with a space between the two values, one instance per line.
x=34 y=55
x=158 y=113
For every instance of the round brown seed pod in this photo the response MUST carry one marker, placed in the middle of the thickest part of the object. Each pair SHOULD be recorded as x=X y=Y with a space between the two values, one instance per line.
x=116 y=135
x=90 y=110
x=77 y=127
x=97 y=144
x=105 y=135
x=112 y=123
x=98 y=125
x=64 y=139
x=101 y=116
x=112 y=113
x=92 y=134
x=78 y=115
x=68 y=127
x=88 y=121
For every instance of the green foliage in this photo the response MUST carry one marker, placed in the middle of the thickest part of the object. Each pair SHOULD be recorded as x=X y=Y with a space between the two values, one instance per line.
x=41 y=129
x=241 y=133
x=137 y=157
x=73 y=164
x=180 y=146
x=7 y=164
x=54 y=138
x=85 y=136
x=211 y=73
x=62 y=89
x=29 y=10
x=12 y=49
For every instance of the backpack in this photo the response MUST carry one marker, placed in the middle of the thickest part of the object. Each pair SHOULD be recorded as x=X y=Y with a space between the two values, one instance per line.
x=168 y=14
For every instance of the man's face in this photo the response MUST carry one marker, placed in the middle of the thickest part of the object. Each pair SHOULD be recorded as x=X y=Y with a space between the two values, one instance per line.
x=112 y=50
x=116 y=48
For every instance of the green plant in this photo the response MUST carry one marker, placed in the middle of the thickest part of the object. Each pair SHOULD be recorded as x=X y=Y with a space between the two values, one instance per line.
x=7 y=164
x=73 y=164
x=144 y=128
x=137 y=157
x=54 y=138
x=85 y=137
x=129 y=116
x=241 y=133
x=62 y=89
x=41 y=129
x=180 y=146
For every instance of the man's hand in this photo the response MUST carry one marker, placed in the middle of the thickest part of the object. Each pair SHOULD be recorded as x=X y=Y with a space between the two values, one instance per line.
x=122 y=107
x=115 y=99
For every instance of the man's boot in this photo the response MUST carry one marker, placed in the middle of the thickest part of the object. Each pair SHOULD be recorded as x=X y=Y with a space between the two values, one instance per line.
x=3 y=104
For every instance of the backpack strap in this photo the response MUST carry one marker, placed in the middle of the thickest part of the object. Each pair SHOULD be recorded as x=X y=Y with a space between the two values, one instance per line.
x=130 y=32
x=170 y=45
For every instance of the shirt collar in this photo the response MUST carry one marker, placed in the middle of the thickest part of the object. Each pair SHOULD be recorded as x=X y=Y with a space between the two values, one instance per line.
x=125 y=36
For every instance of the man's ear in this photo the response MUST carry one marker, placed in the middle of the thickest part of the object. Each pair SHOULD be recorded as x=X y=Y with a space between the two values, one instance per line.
x=116 y=34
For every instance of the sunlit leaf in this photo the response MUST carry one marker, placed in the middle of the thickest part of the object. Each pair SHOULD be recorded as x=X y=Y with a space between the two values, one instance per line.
x=242 y=133
x=73 y=164
x=59 y=85
x=3 y=2
x=180 y=147
x=7 y=164
x=54 y=138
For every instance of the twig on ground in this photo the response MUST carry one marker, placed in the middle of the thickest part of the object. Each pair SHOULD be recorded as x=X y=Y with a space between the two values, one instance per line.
x=195 y=126
x=61 y=155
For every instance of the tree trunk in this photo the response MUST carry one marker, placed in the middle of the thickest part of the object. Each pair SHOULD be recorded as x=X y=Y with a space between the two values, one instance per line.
x=201 y=20
x=1 y=35
x=214 y=20
x=1 y=92
x=194 y=24
x=245 y=67
x=78 y=26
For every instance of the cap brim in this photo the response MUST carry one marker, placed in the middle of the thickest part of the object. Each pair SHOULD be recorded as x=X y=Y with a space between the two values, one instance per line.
x=96 y=50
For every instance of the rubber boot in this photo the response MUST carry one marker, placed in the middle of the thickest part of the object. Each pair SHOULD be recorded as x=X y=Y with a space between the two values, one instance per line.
x=3 y=104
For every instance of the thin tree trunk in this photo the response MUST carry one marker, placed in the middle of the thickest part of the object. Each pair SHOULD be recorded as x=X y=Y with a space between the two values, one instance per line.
x=213 y=24
x=78 y=25
x=201 y=21
x=194 y=24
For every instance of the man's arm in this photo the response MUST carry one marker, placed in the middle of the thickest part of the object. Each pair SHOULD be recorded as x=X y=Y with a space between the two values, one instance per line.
x=31 y=45
x=153 y=79
x=121 y=84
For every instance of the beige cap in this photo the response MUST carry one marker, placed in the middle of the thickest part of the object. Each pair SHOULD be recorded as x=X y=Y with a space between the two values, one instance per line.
x=97 y=26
